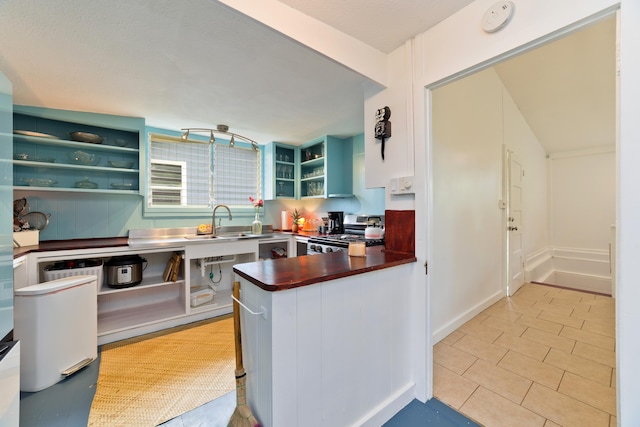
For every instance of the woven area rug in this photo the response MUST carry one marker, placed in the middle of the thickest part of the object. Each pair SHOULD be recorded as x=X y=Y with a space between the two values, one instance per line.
x=145 y=381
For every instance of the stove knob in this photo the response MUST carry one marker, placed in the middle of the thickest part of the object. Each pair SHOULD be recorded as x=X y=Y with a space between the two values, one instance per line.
x=329 y=249
x=312 y=247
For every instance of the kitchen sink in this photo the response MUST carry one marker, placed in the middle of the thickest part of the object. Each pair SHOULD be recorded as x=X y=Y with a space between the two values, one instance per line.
x=176 y=235
x=227 y=235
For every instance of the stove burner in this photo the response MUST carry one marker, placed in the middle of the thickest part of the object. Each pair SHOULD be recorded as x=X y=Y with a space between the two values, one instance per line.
x=336 y=243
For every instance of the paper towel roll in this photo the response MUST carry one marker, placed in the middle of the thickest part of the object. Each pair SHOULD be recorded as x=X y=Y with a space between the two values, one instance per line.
x=284 y=219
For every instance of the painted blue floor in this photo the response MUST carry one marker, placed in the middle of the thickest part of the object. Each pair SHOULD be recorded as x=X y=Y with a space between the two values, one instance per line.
x=67 y=404
x=432 y=413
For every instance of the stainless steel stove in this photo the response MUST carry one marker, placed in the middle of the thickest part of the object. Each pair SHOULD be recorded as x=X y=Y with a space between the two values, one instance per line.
x=354 y=226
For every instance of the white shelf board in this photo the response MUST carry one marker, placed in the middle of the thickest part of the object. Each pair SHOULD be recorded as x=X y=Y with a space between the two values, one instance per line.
x=221 y=299
x=147 y=282
x=117 y=320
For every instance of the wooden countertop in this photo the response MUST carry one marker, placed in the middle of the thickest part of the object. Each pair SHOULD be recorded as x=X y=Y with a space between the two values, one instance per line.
x=61 y=245
x=289 y=273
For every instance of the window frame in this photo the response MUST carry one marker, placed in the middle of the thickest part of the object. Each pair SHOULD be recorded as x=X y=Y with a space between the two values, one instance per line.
x=173 y=212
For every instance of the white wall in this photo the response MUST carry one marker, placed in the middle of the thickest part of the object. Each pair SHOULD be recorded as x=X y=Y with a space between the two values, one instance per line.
x=466 y=266
x=399 y=155
x=628 y=211
x=582 y=199
x=472 y=119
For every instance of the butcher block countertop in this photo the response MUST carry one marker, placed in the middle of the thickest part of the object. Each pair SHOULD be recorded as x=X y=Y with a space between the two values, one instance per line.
x=60 y=245
x=289 y=273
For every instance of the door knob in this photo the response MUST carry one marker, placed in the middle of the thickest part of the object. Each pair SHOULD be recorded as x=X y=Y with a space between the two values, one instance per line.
x=513 y=228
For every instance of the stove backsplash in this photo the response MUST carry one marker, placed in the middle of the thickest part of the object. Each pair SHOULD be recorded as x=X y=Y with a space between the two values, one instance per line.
x=400 y=231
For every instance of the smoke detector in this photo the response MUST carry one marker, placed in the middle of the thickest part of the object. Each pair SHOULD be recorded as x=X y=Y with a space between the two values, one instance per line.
x=497 y=16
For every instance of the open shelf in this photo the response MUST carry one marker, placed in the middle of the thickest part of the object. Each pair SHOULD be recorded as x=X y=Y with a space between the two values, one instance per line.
x=118 y=320
x=221 y=299
x=74 y=144
x=147 y=282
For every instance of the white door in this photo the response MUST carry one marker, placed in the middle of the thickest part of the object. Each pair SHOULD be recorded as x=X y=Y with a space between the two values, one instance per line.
x=515 y=261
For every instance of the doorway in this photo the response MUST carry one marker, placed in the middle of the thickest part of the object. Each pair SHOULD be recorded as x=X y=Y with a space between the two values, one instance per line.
x=514 y=174
x=467 y=216
x=508 y=104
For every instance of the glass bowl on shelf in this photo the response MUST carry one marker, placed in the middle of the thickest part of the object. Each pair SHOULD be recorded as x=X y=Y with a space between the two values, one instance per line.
x=39 y=182
x=83 y=158
x=85 y=183
x=125 y=186
x=122 y=164
x=91 y=138
x=30 y=158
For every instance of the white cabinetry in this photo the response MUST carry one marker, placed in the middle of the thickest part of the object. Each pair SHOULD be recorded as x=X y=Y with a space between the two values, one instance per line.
x=155 y=303
x=332 y=352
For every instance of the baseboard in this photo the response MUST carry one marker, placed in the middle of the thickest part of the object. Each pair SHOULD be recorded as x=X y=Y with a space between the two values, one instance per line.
x=580 y=269
x=387 y=409
x=466 y=316
x=581 y=282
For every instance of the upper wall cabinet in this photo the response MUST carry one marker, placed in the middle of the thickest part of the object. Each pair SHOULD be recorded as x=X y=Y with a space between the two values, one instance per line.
x=321 y=168
x=326 y=168
x=59 y=150
x=280 y=171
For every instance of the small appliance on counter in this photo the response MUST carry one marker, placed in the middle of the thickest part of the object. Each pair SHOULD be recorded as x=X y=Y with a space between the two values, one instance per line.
x=124 y=271
x=336 y=222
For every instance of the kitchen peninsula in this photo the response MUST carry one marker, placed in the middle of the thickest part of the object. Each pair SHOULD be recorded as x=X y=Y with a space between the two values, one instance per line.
x=324 y=337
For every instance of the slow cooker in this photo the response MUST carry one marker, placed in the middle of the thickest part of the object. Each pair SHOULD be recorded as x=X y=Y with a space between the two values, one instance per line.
x=124 y=271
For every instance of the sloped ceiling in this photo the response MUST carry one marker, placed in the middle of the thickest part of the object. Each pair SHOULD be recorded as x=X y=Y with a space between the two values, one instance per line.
x=199 y=63
x=566 y=89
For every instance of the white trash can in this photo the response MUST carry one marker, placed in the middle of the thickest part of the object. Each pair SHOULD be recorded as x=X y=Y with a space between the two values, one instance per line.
x=56 y=323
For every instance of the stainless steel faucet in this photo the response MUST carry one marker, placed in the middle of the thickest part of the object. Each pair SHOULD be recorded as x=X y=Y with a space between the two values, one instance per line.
x=213 y=218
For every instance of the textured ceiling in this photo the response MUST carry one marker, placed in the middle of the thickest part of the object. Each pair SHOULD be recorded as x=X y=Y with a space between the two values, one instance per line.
x=198 y=63
x=383 y=24
x=187 y=63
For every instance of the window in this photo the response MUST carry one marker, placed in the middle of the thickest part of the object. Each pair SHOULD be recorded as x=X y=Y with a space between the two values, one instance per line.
x=236 y=174
x=189 y=177
x=167 y=183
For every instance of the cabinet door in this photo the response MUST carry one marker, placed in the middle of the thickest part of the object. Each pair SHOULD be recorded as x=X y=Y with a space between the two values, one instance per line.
x=313 y=168
x=280 y=171
x=326 y=168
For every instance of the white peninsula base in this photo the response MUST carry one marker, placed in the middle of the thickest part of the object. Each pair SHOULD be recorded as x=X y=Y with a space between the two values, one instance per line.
x=334 y=353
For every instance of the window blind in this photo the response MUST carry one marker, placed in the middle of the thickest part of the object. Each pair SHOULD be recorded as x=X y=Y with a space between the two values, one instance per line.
x=236 y=175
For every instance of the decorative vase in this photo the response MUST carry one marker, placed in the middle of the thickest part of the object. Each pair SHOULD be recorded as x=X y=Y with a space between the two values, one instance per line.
x=256 y=225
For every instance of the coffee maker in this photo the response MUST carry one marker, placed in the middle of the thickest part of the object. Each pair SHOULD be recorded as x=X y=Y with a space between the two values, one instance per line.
x=336 y=222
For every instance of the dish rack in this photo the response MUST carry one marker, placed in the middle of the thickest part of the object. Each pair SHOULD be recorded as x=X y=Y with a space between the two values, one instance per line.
x=68 y=268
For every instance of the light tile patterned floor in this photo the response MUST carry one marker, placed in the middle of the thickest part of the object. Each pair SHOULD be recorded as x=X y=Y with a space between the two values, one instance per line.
x=544 y=357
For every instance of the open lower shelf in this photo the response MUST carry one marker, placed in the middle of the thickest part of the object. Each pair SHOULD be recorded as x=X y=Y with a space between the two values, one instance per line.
x=221 y=299
x=147 y=282
x=117 y=320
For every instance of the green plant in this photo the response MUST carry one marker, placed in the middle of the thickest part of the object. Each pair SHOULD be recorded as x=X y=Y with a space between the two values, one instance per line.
x=296 y=215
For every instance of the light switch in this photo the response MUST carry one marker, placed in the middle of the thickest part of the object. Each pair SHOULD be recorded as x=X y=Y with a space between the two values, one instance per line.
x=403 y=185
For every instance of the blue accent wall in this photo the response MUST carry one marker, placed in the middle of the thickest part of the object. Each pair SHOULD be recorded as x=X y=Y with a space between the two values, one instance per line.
x=6 y=213
x=79 y=215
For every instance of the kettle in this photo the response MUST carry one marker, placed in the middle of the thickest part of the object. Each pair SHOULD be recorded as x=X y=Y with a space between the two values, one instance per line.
x=374 y=231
